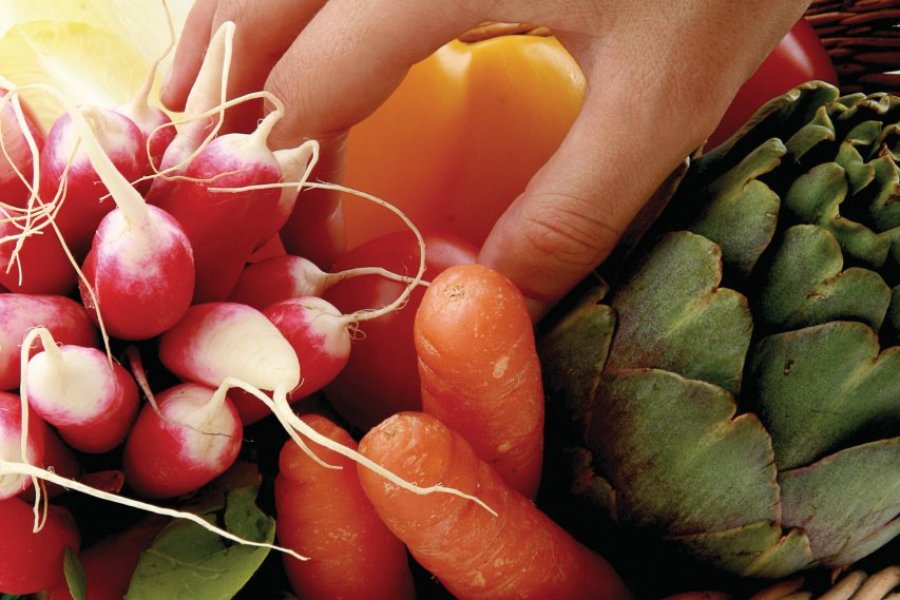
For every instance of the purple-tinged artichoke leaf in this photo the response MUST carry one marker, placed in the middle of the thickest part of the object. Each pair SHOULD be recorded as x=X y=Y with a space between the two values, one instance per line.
x=679 y=458
x=672 y=301
x=760 y=549
x=848 y=502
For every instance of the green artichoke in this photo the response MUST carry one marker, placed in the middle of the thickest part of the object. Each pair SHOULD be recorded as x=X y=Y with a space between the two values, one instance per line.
x=736 y=380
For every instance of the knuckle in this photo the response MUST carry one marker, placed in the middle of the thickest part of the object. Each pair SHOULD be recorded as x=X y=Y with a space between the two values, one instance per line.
x=569 y=230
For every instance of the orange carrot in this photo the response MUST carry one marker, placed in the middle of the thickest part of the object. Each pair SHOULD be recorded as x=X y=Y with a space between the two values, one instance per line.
x=480 y=372
x=519 y=553
x=324 y=514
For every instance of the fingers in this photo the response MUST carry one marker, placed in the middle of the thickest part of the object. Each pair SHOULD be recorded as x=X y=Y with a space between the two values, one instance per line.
x=629 y=136
x=350 y=57
x=189 y=54
x=262 y=34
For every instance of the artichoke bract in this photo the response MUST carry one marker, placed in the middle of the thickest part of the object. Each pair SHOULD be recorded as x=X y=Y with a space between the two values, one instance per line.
x=736 y=380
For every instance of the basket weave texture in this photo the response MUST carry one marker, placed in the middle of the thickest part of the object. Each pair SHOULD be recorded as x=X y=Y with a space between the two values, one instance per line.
x=862 y=38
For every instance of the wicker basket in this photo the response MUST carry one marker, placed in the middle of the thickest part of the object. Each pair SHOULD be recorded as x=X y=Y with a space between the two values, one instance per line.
x=863 y=39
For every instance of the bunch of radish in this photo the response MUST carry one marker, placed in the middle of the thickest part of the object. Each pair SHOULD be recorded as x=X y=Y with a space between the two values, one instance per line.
x=123 y=232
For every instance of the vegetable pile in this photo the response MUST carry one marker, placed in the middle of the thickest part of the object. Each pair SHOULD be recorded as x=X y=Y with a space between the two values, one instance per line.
x=152 y=316
x=195 y=405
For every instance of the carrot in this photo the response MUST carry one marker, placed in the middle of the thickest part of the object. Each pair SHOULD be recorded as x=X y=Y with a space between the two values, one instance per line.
x=479 y=369
x=323 y=513
x=519 y=553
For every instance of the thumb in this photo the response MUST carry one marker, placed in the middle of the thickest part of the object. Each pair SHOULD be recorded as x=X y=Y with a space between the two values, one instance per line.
x=570 y=217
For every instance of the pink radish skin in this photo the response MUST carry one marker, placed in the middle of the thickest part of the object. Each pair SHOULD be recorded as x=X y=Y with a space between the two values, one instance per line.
x=296 y=164
x=142 y=274
x=279 y=278
x=11 y=443
x=44 y=267
x=208 y=92
x=86 y=203
x=270 y=249
x=286 y=276
x=195 y=437
x=141 y=262
x=91 y=401
x=225 y=228
x=154 y=123
x=319 y=335
x=66 y=320
x=13 y=190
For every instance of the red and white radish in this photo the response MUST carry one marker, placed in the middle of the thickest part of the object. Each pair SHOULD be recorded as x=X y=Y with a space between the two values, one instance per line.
x=207 y=97
x=31 y=562
x=225 y=228
x=296 y=164
x=14 y=447
x=288 y=276
x=20 y=141
x=154 y=123
x=139 y=273
x=225 y=343
x=63 y=317
x=320 y=337
x=191 y=436
x=65 y=161
x=90 y=400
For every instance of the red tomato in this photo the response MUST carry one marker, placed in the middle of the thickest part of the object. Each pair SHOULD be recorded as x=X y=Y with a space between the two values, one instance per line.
x=798 y=58
x=382 y=376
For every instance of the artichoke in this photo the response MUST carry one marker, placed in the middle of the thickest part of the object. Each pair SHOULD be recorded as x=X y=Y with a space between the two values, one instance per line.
x=736 y=380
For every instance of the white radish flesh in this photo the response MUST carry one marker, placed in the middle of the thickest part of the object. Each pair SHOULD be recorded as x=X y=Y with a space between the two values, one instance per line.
x=91 y=401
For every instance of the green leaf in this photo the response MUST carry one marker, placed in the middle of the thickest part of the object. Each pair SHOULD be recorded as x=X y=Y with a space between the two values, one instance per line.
x=679 y=457
x=190 y=563
x=740 y=213
x=846 y=500
x=820 y=387
x=672 y=301
x=806 y=285
x=75 y=577
x=573 y=352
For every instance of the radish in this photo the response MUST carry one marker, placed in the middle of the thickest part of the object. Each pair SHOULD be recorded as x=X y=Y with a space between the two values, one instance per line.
x=154 y=123
x=90 y=400
x=32 y=561
x=207 y=94
x=320 y=337
x=225 y=343
x=64 y=318
x=192 y=436
x=225 y=229
x=14 y=446
x=16 y=150
x=296 y=164
x=287 y=276
x=72 y=196
x=139 y=274
x=65 y=160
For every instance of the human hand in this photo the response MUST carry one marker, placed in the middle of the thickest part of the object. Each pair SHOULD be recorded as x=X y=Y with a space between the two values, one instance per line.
x=659 y=76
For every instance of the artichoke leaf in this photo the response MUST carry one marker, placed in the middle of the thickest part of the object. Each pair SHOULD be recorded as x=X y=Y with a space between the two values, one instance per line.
x=673 y=300
x=819 y=387
x=740 y=212
x=805 y=285
x=573 y=352
x=678 y=456
x=846 y=500
x=815 y=197
x=760 y=549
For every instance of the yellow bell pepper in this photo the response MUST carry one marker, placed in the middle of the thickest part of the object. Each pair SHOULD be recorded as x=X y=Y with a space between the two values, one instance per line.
x=462 y=135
